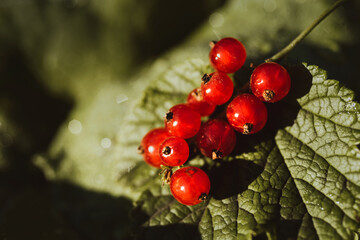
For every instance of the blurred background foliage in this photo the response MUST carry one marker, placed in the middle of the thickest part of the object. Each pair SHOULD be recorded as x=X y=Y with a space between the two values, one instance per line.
x=71 y=71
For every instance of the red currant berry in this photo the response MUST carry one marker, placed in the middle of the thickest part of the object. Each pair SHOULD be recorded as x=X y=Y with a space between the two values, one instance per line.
x=182 y=121
x=216 y=88
x=270 y=82
x=216 y=139
x=196 y=101
x=247 y=114
x=174 y=151
x=190 y=185
x=227 y=55
x=150 y=144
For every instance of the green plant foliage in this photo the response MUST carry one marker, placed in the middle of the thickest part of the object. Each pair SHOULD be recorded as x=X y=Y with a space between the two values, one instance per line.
x=304 y=183
x=102 y=55
x=80 y=159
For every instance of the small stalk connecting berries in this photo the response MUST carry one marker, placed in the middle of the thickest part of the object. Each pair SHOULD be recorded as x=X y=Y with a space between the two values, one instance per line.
x=246 y=114
x=282 y=53
x=140 y=150
x=212 y=44
x=165 y=173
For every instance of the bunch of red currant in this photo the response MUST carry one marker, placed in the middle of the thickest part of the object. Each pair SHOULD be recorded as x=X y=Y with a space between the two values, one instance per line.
x=215 y=138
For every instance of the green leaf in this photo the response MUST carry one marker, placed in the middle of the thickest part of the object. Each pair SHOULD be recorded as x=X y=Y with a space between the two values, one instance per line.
x=103 y=96
x=321 y=154
x=303 y=183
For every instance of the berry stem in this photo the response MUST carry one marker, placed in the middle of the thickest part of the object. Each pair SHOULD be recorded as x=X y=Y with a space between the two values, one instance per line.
x=278 y=56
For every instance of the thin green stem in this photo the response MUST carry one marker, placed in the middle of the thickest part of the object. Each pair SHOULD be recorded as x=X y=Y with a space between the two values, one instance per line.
x=278 y=56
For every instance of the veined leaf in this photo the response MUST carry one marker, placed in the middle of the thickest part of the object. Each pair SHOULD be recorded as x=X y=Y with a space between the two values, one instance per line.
x=303 y=183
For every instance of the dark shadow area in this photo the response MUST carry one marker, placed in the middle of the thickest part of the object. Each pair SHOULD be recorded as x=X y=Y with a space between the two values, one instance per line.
x=32 y=118
x=176 y=232
x=232 y=178
x=339 y=65
x=27 y=211
x=28 y=105
x=358 y=146
x=34 y=114
x=288 y=229
x=261 y=236
x=55 y=161
x=94 y=215
x=241 y=79
x=283 y=113
x=63 y=211
x=142 y=31
x=169 y=22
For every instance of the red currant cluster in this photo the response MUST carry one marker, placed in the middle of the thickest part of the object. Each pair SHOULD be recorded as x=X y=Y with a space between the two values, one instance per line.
x=215 y=138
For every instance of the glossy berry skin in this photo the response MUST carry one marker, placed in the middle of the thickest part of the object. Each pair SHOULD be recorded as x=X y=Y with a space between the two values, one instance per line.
x=216 y=139
x=174 y=151
x=217 y=88
x=149 y=147
x=247 y=114
x=270 y=82
x=196 y=101
x=227 y=55
x=182 y=121
x=190 y=185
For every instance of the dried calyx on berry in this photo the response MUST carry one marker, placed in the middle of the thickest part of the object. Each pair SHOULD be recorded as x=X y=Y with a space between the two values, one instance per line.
x=247 y=128
x=174 y=151
x=190 y=185
x=182 y=121
x=167 y=150
x=150 y=144
x=246 y=114
x=169 y=116
x=216 y=139
x=216 y=154
x=203 y=197
x=206 y=78
x=270 y=82
x=216 y=88
x=268 y=95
